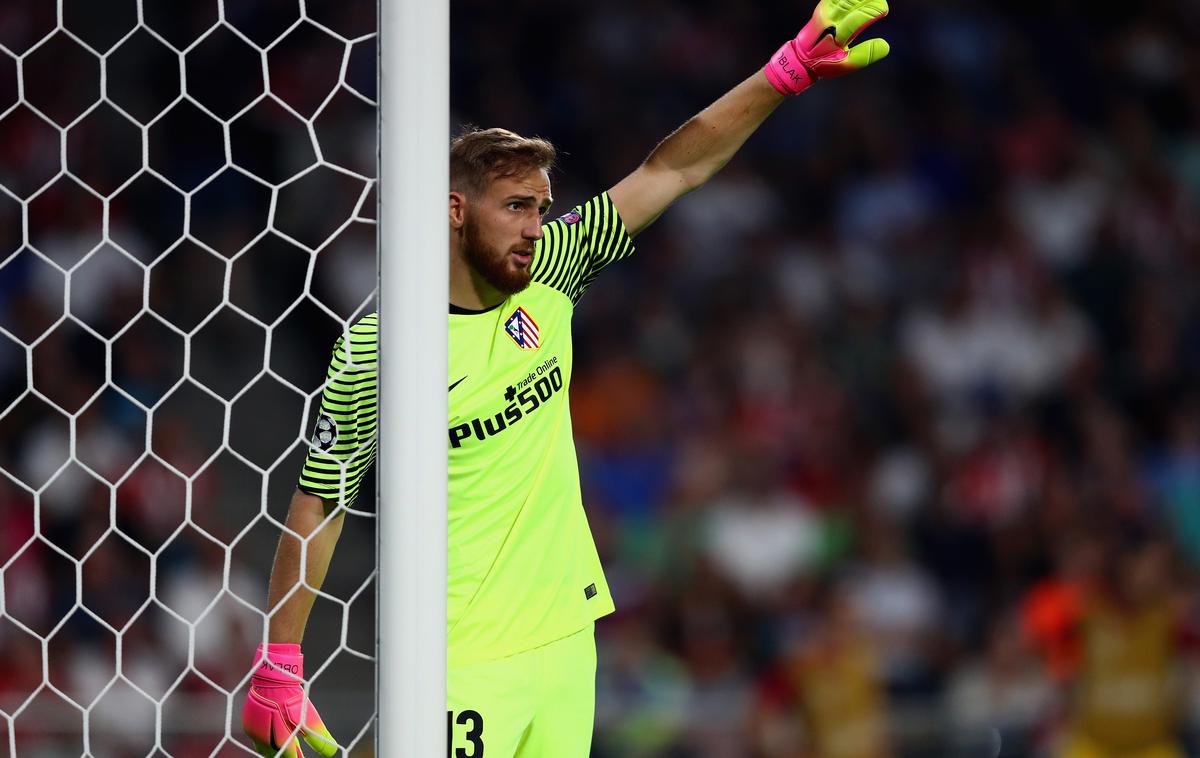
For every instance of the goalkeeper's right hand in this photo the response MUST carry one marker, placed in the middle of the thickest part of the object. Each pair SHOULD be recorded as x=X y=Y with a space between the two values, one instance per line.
x=276 y=705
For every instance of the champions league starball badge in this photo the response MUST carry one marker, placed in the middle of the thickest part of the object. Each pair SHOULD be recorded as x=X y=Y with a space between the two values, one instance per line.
x=325 y=433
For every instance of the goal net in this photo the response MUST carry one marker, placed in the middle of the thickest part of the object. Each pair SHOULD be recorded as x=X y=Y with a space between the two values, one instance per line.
x=186 y=226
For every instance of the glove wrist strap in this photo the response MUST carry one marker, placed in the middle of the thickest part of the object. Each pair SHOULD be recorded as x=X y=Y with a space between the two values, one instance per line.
x=279 y=662
x=786 y=72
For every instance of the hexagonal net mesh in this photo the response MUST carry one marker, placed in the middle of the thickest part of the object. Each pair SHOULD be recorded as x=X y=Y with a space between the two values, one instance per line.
x=186 y=226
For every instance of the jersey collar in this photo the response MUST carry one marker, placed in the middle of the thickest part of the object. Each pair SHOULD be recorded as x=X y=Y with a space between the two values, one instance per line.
x=457 y=311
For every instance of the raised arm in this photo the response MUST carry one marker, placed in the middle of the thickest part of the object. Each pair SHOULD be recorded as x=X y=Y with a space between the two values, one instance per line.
x=694 y=152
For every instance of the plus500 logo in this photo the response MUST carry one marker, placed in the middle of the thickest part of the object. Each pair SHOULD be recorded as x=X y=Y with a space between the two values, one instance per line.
x=526 y=401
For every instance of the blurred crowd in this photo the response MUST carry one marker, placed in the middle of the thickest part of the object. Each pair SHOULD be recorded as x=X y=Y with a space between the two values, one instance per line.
x=889 y=435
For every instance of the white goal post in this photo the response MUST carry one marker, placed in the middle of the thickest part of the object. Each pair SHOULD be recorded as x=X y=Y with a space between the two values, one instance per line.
x=414 y=124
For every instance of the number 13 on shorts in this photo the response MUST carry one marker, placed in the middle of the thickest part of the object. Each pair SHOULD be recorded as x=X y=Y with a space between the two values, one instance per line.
x=472 y=738
x=535 y=704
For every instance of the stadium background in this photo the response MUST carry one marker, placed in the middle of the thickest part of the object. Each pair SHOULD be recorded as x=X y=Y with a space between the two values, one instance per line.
x=929 y=342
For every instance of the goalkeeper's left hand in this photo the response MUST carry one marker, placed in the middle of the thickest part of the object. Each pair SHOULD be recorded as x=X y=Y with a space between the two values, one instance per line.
x=822 y=48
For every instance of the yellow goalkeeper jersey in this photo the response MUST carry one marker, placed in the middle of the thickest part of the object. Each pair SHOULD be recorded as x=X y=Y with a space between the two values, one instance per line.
x=522 y=566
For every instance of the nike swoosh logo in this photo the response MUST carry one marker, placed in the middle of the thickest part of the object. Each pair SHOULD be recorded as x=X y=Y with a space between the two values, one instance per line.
x=830 y=31
x=460 y=381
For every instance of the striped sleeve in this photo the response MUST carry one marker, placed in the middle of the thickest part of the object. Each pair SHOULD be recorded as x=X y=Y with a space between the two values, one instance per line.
x=578 y=245
x=344 y=440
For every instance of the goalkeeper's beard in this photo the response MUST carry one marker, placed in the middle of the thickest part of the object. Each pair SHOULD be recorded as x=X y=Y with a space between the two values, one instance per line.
x=497 y=267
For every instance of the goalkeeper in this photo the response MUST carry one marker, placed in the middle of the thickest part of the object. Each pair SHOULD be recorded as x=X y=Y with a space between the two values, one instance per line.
x=524 y=581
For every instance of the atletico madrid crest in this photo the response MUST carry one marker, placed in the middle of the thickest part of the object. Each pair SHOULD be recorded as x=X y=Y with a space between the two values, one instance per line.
x=521 y=327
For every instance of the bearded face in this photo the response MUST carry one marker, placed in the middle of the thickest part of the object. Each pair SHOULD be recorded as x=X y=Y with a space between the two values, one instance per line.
x=494 y=233
x=508 y=268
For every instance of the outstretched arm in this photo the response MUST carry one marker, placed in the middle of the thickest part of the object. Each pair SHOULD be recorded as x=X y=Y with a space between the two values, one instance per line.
x=694 y=152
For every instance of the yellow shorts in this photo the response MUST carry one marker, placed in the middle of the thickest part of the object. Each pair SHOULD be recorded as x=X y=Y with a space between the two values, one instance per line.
x=1080 y=746
x=536 y=704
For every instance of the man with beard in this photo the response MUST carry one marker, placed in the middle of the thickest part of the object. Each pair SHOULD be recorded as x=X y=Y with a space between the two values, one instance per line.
x=524 y=580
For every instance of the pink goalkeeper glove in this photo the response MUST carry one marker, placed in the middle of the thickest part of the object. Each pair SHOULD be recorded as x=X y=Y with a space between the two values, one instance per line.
x=276 y=704
x=822 y=48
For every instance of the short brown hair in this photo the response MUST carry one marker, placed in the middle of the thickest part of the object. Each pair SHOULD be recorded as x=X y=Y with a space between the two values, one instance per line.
x=479 y=155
